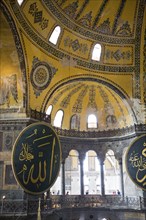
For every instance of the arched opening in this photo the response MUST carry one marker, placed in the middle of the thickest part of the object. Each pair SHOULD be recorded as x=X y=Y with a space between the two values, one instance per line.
x=112 y=173
x=72 y=173
x=91 y=173
x=92 y=121
x=75 y=122
x=49 y=110
x=58 y=119
x=55 y=35
x=96 y=52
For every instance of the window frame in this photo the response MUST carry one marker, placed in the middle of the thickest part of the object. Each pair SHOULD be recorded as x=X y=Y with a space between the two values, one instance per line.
x=53 y=34
x=96 y=122
x=94 y=50
x=50 y=110
x=61 y=119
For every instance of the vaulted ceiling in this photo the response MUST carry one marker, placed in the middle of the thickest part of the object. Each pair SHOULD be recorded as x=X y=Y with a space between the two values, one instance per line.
x=111 y=18
x=64 y=75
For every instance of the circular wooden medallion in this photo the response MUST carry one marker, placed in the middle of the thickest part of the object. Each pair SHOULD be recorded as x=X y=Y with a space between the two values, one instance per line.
x=36 y=158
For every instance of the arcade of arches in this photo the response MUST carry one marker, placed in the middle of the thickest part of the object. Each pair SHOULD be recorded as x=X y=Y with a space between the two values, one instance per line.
x=92 y=168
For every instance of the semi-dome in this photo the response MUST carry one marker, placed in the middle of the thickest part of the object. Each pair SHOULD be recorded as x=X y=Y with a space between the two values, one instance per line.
x=80 y=99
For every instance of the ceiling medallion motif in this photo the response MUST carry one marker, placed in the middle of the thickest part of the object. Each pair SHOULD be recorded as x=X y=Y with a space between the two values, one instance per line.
x=40 y=77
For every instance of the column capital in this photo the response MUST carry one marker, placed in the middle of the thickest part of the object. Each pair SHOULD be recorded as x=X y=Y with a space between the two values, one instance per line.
x=82 y=156
x=101 y=158
x=64 y=156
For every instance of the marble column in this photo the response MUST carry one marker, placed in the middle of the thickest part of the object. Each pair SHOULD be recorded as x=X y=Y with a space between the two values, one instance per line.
x=102 y=176
x=81 y=159
x=63 y=177
x=121 y=176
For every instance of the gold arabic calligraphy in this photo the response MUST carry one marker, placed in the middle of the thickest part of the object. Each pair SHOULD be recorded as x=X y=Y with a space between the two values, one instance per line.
x=25 y=155
x=30 y=174
x=139 y=162
x=30 y=168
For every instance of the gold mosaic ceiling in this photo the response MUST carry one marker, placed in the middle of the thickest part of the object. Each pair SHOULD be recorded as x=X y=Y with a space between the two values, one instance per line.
x=79 y=85
x=114 y=17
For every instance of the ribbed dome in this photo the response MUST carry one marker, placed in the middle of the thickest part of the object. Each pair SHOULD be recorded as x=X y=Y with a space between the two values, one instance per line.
x=86 y=97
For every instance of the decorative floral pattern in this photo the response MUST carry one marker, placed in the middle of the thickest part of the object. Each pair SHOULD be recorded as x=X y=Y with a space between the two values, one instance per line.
x=41 y=76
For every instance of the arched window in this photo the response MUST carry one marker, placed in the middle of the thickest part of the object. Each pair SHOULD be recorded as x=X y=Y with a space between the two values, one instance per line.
x=72 y=173
x=91 y=173
x=92 y=121
x=111 y=120
x=49 y=110
x=55 y=35
x=96 y=52
x=58 y=119
x=20 y=2
x=75 y=122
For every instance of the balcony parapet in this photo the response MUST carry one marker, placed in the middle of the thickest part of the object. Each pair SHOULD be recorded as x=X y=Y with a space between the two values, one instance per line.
x=27 y=207
x=127 y=131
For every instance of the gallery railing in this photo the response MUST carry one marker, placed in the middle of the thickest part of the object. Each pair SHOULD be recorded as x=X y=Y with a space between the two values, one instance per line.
x=98 y=201
x=105 y=133
x=40 y=116
x=21 y=207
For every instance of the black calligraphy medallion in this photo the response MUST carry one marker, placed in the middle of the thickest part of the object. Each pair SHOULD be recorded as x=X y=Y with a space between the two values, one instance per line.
x=36 y=158
x=136 y=161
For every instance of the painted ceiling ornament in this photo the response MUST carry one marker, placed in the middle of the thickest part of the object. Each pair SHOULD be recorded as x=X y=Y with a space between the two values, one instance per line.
x=86 y=20
x=41 y=75
x=104 y=27
x=38 y=16
x=71 y=9
x=92 y=96
x=124 y=30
